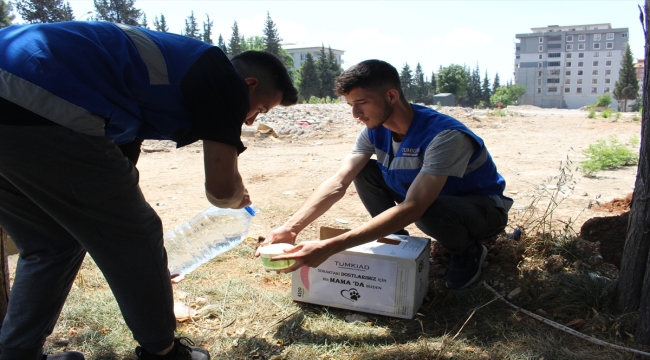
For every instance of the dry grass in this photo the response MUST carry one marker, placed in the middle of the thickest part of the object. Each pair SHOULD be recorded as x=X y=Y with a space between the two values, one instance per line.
x=252 y=315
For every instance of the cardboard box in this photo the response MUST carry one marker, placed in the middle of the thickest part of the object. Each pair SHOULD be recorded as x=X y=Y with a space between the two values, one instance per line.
x=389 y=276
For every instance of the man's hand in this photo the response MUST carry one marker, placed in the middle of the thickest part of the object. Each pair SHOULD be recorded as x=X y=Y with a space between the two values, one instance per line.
x=245 y=201
x=282 y=234
x=306 y=253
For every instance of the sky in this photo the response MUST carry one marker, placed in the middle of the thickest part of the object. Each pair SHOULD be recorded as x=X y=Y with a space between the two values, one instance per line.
x=433 y=33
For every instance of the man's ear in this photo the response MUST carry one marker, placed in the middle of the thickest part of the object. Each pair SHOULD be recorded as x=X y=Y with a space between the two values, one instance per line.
x=392 y=96
x=251 y=82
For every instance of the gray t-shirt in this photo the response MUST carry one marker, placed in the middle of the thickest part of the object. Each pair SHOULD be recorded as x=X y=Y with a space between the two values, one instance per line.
x=447 y=154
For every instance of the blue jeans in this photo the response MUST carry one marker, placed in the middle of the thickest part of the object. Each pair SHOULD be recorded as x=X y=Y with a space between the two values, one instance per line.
x=62 y=194
x=456 y=222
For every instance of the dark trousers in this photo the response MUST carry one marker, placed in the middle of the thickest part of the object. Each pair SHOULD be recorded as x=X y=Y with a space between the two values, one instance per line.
x=63 y=193
x=457 y=222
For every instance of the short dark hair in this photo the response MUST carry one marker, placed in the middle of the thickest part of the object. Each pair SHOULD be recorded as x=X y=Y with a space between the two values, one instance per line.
x=374 y=75
x=269 y=71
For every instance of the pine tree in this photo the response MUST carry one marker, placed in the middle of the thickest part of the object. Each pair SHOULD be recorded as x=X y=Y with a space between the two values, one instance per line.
x=117 y=11
x=221 y=44
x=235 y=46
x=496 y=84
x=6 y=17
x=192 y=27
x=627 y=86
x=406 y=78
x=309 y=79
x=272 y=38
x=474 y=88
x=143 y=22
x=325 y=75
x=335 y=67
x=420 y=87
x=160 y=25
x=207 y=30
x=253 y=43
x=433 y=86
x=485 y=90
x=44 y=11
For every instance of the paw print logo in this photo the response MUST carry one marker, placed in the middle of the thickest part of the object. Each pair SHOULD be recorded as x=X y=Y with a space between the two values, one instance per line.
x=352 y=294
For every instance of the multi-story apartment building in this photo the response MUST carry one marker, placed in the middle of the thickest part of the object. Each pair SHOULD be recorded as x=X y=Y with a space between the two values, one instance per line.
x=639 y=67
x=299 y=53
x=569 y=66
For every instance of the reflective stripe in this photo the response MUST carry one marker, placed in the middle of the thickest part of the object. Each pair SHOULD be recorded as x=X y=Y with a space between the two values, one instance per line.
x=406 y=163
x=42 y=102
x=382 y=158
x=150 y=54
x=480 y=160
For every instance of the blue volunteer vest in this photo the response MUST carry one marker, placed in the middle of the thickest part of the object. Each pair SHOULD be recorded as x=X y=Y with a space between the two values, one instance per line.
x=100 y=78
x=480 y=178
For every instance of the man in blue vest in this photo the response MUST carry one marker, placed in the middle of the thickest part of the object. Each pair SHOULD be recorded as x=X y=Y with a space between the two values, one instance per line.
x=431 y=170
x=72 y=94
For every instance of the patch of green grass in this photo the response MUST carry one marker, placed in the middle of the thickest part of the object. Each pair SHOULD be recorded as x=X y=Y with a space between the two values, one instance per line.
x=607 y=113
x=607 y=155
x=592 y=113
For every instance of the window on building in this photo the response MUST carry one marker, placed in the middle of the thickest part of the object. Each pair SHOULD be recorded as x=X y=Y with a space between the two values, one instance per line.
x=567 y=81
x=554 y=55
x=608 y=72
x=609 y=45
x=539 y=81
x=596 y=46
x=594 y=90
x=582 y=37
x=568 y=55
x=624 y=35
x=596 y=54
x=541 y=48
x=541 y=40
x=555 y=38
x=610 y=36
x=596 y=37
x=580 y=64
x=568 y=73
x=581 y=46
x=569 y=47
x=581 y=55
x=539 y=90
x=518 y=48
x=540 y=56
x=554 y=72
x=579 y=90
x=608 y=54
x=568 y=64
x=594 y=63
x=553 y=63
x=594 y=72
x=553 y=81
x=608 y=81
x=579 y=72
x=608 y=63
x=539 y=73
x=554 y=46
x=539 y=64
x=567 y=90
x=552 y=89
x=569 y=38
x=594 y=81
x=606 y=90
x=579 y=82
x=517 y=57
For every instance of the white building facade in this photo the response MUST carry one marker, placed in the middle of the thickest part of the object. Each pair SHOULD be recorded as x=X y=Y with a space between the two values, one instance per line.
x=299 y=53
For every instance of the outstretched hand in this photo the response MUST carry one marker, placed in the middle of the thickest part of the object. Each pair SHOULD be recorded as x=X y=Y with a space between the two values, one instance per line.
x=306 y=253
x=282 y=234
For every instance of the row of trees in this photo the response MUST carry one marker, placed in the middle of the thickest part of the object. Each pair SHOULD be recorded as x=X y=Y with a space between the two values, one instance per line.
x=316 y=76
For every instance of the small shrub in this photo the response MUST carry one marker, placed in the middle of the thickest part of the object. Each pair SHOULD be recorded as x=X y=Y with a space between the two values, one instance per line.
x=607 y=113
x=636 y=117
x=617 y=115
x=605 y=155
x=592 y=113
x=604 y=100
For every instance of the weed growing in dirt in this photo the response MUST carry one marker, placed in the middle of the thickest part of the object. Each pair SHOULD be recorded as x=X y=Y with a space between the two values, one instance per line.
x=592 y=113
x=317 y=100
x=606 y=155
x=607 y=113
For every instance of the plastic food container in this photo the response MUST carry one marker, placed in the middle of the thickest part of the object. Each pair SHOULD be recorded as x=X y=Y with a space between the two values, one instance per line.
x=267 y=252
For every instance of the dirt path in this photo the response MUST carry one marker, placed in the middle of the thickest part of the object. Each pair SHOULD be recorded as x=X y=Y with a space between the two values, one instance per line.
x=528 y=149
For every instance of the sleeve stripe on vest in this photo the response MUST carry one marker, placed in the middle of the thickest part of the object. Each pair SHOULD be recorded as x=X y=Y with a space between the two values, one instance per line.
x=42 y=102
x=150 y=54
x=382 y=157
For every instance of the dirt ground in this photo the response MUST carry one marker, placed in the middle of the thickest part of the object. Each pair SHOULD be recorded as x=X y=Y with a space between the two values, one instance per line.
x=280 y=173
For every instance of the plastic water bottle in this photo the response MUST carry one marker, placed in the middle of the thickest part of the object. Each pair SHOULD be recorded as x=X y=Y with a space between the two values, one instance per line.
x=208 y=234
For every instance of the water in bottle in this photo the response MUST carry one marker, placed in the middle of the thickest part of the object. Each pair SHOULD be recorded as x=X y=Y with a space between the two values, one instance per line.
x=207 y=235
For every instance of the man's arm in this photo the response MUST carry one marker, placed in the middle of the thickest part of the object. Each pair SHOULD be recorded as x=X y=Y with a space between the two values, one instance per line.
x=421 y=194
x=326 y=194
x=223 y=183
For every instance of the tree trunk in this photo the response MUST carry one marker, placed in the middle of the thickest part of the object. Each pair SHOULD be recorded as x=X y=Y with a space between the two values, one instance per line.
x=4 y=275
x=633 y=287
